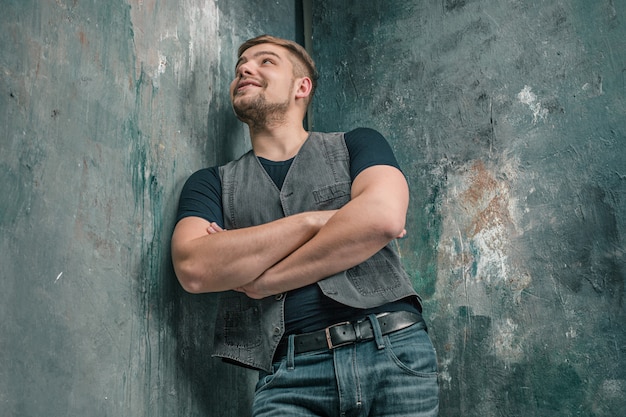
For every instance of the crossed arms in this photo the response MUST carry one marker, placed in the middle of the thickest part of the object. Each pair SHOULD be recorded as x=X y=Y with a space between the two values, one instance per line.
x=297 y=250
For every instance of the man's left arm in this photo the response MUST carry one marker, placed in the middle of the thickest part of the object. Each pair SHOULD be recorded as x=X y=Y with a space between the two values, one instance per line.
x=375 y=215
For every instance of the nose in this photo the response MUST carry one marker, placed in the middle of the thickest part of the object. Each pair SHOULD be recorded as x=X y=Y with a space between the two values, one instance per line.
x=245 y=68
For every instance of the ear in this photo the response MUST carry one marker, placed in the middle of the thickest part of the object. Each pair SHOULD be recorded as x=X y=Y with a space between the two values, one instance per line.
x=303 y=87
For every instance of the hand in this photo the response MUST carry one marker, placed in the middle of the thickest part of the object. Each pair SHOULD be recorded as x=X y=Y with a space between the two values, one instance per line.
x=214 y=228
x=254 y=290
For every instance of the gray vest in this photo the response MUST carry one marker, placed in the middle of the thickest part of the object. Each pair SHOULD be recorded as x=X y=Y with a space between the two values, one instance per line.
x=248 y=331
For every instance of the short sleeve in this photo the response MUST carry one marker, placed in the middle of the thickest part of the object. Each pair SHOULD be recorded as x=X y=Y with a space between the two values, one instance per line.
x=201 y=196
x=367 y=148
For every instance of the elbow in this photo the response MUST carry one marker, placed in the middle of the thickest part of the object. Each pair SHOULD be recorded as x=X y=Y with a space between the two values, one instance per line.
x=393 y=228
x=388 y=219
x=189 y=278
x=191 y=286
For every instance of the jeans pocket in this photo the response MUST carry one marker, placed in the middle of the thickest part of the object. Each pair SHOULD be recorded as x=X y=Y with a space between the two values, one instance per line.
x=266 y=378
x=413 y=352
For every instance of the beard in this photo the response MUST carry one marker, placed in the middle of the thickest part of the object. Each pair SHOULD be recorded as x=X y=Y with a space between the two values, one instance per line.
x=258 y=113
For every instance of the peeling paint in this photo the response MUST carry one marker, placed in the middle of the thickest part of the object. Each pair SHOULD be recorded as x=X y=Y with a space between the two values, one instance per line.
x=479 y=241
x=508 y=120
x=106 y=108
x=526 y=96
x=506 y=339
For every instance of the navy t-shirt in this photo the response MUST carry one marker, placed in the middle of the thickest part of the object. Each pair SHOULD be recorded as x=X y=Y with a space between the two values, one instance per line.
x=306 y=309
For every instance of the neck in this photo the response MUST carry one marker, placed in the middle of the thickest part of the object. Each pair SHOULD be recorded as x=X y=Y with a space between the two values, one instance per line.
x=278 y=143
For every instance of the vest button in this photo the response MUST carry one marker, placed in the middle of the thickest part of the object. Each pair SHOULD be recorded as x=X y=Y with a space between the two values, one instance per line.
x=279 y=297
x=276 y=330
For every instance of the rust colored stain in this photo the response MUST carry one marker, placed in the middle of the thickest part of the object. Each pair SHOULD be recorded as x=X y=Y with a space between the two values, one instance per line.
x=496 y=213
x=481 y=183
x=486 y=200
x=83 y=38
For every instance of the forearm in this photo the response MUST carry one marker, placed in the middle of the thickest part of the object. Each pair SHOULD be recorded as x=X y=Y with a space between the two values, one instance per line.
x=234 y=258
x=346 y=241
x=375 y=215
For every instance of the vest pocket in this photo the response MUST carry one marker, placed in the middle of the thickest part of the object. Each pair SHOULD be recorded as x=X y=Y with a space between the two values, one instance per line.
x=242 y=324
x=367 y=276
x=332 y=196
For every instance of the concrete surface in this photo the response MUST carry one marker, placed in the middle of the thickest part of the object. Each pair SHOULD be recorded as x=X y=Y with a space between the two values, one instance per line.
x=508 y=120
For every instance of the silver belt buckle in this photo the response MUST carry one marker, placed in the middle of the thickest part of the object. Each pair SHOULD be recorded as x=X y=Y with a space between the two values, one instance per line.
x=329 y=341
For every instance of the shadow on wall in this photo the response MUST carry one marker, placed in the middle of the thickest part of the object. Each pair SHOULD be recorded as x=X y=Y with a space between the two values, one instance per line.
x=211 y=383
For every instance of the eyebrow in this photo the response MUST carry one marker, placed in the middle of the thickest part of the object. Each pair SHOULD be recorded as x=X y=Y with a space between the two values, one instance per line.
x=241 y=59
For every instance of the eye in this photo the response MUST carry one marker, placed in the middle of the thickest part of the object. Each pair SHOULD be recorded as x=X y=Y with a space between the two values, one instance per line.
x=267 y=61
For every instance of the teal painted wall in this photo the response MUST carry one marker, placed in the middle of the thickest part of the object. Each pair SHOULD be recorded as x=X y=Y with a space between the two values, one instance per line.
x=507 y=116
x=509 y=119
x=105 y=108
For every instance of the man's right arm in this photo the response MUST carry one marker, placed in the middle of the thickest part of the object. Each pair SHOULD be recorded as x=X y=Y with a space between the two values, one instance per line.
x=210 y=262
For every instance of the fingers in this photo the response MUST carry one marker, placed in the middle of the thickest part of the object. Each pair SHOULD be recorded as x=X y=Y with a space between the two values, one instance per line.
x=214 y=228
x=249 y=291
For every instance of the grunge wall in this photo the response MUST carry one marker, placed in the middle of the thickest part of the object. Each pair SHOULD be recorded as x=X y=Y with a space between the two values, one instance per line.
x=105 y=108
x=508 y=118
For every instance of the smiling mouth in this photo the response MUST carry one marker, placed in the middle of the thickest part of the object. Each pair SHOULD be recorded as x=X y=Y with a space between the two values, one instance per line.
x=247 y=83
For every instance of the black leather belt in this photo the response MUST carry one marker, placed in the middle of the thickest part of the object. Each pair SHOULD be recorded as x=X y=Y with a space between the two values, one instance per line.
x=342 y=334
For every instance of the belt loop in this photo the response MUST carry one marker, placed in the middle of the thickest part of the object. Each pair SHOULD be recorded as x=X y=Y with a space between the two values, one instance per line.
x=378 y=334
x=357 y=330
x=291 y=352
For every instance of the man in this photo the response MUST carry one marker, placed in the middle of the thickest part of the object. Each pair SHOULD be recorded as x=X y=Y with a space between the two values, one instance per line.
x=296 y=234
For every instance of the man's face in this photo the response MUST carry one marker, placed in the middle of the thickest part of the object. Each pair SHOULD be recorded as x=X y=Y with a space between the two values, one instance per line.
x=264 y=84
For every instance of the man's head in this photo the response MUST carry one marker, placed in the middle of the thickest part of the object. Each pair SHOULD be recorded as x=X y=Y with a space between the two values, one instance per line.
x=303 y=64
x=274 y=78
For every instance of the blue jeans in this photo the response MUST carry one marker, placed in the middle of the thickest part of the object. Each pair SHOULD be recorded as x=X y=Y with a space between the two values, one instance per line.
x=392 y=376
